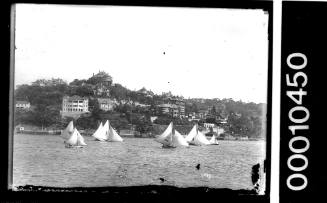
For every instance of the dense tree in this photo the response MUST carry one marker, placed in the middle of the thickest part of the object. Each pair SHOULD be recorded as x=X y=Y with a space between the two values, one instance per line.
x=213 y=110
x=211 y=120
x=163 y=120
x=98 y=78
x=191 y=108
x=77 y=82
x=87 y=123
x=83 y=91
x=51 y=82
x=119 y=92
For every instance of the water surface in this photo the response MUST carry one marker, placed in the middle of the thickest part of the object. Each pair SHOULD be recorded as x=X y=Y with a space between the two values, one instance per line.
x=44 y=161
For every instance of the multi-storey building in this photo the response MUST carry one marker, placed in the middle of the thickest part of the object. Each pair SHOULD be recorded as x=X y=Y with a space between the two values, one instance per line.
x=23 y=105
x=106 y=104
x=178 y=105
x=172 y=109
x=202 y=114
x=74 y=106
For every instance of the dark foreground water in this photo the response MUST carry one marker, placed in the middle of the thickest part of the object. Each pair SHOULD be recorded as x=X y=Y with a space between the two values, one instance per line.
x=44 y=161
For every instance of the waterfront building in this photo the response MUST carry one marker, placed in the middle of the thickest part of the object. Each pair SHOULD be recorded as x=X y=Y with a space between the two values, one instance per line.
x=171 y=109
x=106 y=104
x=74 y=106
x=23 y=105
x=222 y=121
x=209 y=125
x=165 y=108
x=180 y=104
x=192 y=116
x=174 y=107
x=142 y=105
x=202 y=114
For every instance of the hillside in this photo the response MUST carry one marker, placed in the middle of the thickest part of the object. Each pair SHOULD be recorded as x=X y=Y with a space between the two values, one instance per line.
x=45 y=97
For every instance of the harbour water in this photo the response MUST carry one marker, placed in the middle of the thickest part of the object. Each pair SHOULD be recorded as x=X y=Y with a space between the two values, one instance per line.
x=44 y=161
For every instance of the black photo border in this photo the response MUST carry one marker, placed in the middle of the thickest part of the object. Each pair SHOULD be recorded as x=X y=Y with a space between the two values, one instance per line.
x=303 y=31
x=137 y=193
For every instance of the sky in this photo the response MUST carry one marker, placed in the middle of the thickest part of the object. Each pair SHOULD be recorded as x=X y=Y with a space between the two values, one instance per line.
x=192 y=52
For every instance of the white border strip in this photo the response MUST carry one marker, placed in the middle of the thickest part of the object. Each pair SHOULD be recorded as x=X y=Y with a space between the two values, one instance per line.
x=275 y=127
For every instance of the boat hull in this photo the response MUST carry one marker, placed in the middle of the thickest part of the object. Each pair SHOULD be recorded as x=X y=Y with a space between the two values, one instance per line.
x=71 y=146
x=100 y=140
x=168 y=146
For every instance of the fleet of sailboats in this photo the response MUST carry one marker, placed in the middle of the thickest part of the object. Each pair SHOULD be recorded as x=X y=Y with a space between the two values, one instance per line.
x=195 y=137
x=72 y=137
x=170 y=138
x=107 y=133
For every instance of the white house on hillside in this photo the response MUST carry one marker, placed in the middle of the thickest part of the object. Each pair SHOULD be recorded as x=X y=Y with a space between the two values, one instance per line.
x=22 y=105
x=106 y=104
x=74 y=106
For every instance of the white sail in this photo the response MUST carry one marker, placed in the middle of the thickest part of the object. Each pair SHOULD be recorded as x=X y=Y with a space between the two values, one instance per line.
x=68 y=131
x=178 y=139
x=106 y=127
x=163 y=137
x=73 y=139
x=113 y=135
x=100 y=133
x=200 y=139
x=191 y=134
x=171 y=138
x=167 y=142
x=80 y=139
x=213 y=140
x=195 y=137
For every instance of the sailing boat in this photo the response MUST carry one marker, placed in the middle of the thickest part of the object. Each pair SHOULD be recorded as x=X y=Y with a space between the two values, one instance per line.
x=195 y=137
x=165 y=137
x=171 y=138
x=113 y=135
x=75 y=140
x=107 y=133
x=68 y=131
x=100 y=133
x=72 y=137
x=213 y=140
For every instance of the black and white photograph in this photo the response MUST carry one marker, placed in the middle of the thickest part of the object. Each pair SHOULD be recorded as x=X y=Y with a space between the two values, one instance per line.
x=121 y=96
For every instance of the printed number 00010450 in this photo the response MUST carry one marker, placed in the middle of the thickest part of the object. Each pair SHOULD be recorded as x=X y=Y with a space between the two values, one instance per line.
x=299 y=123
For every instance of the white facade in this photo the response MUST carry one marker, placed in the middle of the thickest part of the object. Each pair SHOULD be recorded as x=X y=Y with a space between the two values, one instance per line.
x=23 y=105
x=74 y=106
x=208 y=125
x=106 y=104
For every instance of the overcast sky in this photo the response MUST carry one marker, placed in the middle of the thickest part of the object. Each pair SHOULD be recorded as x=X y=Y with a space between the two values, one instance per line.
x=192 y=52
